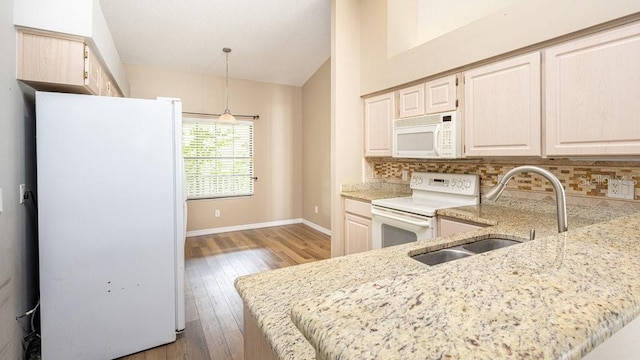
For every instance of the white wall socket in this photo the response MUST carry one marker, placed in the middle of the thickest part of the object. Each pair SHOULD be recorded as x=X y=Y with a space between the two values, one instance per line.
x=621 y=188
x=315 y=209
x=217 y=213
x=404 y=174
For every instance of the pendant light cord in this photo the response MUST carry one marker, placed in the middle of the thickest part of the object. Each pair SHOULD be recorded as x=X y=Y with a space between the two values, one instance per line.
x=226 y=86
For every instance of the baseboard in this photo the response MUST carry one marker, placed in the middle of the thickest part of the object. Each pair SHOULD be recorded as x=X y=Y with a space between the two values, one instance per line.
x=257 y=226
x=242 y=227
x=316 y=227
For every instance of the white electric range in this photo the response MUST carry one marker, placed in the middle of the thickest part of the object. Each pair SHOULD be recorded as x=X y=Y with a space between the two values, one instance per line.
x=402 y=220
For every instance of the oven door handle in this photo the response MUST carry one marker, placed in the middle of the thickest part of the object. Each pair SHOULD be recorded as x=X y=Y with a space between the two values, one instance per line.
x=401 y=219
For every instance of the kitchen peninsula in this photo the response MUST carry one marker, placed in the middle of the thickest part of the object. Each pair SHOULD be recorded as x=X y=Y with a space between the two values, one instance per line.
x=555 y=297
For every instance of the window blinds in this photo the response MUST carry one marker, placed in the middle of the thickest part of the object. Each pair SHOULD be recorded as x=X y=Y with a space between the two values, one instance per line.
x=218 y=158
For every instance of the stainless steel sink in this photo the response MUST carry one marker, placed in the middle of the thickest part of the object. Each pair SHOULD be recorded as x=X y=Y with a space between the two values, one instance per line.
x=441 y=256
x=489 y=244
x=462 y=251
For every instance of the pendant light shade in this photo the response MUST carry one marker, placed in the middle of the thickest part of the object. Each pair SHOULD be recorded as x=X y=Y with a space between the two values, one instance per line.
x=227 y=116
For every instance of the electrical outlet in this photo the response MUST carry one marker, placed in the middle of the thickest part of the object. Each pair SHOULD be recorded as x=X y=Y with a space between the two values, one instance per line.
x=22 y=193
x=315 y=209
x=621 y=188
x=404 y=174
x=613 y=188
x=217 y=213
x=0 y=200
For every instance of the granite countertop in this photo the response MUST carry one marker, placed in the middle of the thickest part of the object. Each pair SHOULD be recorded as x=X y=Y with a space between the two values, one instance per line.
x=373 y=194
x=372 y=191
x=555 y=297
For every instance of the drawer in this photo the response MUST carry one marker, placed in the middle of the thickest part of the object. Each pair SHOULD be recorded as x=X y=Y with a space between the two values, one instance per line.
x=361 y=208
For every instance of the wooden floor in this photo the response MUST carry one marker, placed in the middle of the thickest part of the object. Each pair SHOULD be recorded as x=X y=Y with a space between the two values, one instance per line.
x=213 y=307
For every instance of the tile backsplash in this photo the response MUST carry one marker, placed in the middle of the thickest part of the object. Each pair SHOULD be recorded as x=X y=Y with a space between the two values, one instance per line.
x=580 y=178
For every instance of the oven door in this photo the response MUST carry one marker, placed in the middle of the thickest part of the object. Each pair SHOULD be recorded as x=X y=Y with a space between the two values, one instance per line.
x=416 y=141
x=393 y=227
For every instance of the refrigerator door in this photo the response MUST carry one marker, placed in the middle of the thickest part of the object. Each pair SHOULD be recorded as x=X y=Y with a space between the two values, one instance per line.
x=107 y=225
x=181 y=210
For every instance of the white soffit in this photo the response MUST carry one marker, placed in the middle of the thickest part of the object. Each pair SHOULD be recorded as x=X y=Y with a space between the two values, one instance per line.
x=275 y=41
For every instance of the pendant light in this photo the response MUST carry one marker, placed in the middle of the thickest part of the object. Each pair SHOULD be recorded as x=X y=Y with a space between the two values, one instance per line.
x=226 y=116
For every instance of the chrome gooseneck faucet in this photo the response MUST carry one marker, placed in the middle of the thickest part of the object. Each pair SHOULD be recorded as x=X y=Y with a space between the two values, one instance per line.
x=561 y=203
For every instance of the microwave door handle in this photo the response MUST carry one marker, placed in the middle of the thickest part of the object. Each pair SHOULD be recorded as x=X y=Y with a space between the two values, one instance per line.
x=436 y=136
x=405 y=220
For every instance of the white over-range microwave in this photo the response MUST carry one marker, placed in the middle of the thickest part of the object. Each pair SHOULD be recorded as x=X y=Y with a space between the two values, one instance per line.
x=428 y=137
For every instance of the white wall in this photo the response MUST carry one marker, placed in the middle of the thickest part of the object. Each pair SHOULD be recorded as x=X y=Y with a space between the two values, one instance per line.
x=524 y=23
x=346 y=111
x=101 y=37
x=316 y=147
x=18 y=260
x=277 y=142
x=65 y=16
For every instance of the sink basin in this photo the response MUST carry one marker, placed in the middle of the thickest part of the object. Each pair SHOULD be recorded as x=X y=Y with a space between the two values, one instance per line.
x=462 y=251
x=489 y=244
x=441 y=256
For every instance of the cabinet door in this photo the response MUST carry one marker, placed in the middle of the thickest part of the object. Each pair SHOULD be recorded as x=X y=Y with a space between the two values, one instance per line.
x=592 y=89
x=93 y=72
x=45 y=59
x=357 y=234
x=105 y=85
x=412 y=101
x=378 y=118
x=450 y=227
x=502 y=108
x=441 y=95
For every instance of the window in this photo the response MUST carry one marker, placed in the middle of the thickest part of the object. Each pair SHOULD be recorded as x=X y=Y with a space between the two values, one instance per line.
x=218 y=158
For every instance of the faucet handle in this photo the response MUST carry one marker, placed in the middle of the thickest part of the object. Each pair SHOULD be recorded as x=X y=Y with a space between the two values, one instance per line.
x=532 y=234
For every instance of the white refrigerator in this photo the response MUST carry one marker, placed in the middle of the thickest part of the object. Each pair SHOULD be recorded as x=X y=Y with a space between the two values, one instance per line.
x=111 y=221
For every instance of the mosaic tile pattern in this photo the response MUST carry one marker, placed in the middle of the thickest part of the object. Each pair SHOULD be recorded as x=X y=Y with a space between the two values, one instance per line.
x=583 y=179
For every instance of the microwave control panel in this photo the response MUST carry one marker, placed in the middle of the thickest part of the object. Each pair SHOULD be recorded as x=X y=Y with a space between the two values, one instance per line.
x=447 y=139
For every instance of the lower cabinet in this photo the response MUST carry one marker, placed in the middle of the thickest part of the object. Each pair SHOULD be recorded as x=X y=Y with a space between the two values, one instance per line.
x=448 y=226
x=623 y=345
x=357 y=226
x=256 y=346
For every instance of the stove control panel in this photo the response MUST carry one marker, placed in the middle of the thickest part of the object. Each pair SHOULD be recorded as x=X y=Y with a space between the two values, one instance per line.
x=462 y=184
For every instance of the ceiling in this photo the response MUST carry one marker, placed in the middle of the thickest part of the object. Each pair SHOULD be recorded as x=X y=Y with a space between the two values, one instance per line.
x=275 y=41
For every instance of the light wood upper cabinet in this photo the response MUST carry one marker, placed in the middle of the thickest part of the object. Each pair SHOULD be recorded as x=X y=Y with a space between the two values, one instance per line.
x=54 y=62
x=429 y=98
x=105 y=85
x=93 y=72
x=502 y=108
x=411 y=102
x=592 y=88
x=441 y=95
x=44 y=59
x=379 y=112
